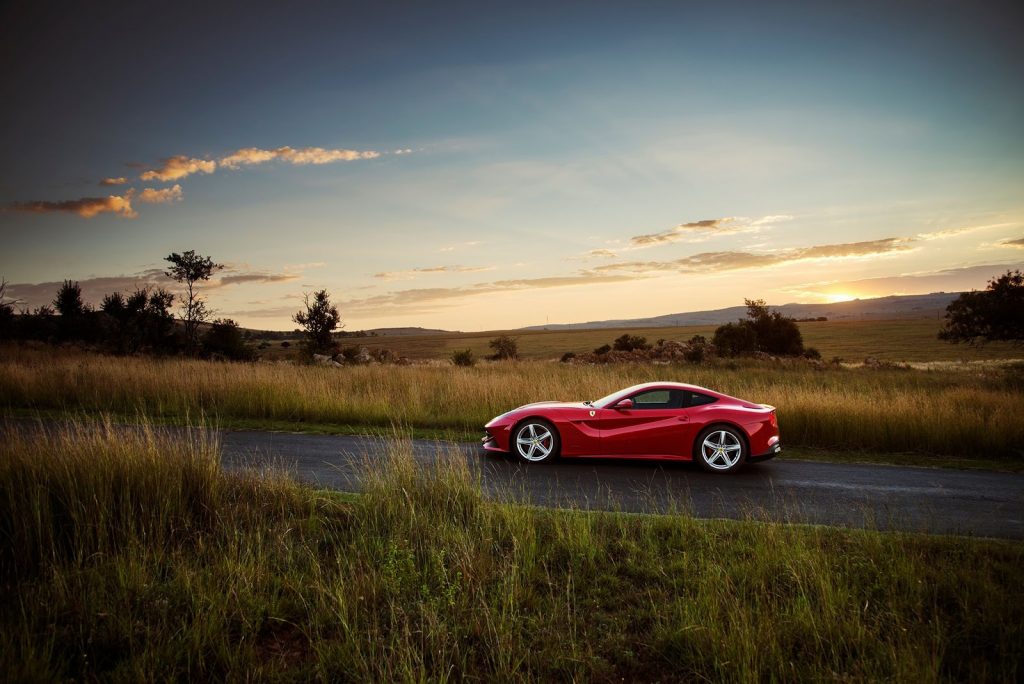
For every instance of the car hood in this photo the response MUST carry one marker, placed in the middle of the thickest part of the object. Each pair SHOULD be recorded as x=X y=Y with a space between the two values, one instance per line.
x=552 y=404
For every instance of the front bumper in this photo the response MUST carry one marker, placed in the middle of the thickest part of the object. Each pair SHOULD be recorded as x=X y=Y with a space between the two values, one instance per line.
x=490 y=443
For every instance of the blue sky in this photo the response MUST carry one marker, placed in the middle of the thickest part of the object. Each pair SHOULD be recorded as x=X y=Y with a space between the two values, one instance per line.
x=487 y=165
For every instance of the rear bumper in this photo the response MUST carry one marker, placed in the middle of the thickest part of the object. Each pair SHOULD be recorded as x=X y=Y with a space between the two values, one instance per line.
x=772 y=452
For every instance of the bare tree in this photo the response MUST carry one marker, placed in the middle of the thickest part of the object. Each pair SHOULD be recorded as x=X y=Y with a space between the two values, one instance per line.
x=189 y=269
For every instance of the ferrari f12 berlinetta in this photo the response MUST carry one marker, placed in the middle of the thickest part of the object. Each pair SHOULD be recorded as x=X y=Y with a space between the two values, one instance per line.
x=655 y=420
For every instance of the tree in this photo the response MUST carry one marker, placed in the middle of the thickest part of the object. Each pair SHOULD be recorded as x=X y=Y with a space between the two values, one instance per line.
x=761 y=330
x=319 y=321
x=505 y=348
x=189 y=269
x=994 y=314
x=224 y=338
x=6 y=312
x=140 y=321
x=72 y=310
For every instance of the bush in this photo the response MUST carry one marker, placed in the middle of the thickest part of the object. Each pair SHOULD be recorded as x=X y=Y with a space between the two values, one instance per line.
x=224 y=339
x=285 y=344
x=567 y=357
x=697 y=349
x=603 y=349
x=762 y=330
x=463 y=357
x=628 y=343
x=812 y=353
x=505 y=348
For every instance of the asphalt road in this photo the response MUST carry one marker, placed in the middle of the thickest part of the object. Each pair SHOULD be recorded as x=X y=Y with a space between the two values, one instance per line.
x=882 y=497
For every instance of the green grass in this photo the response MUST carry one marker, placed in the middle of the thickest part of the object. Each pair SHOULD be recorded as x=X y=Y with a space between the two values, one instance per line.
x=131 y=556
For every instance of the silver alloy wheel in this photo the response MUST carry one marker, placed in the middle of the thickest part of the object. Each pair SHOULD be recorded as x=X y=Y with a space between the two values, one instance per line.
x=534 y=442
x=721 y=449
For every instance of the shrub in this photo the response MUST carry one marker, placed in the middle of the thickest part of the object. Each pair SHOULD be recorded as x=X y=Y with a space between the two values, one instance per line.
x=567 y=357
x=505 y=348
x=697 y=349
x=812 y=353
x=735 y=339
x=285 y=344
x=463 y=357
x=224 y=339
x=628 y=343
x=603 y=349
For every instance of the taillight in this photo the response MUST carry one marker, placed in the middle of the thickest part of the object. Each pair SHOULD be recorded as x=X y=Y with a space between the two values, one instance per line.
x=774 y=419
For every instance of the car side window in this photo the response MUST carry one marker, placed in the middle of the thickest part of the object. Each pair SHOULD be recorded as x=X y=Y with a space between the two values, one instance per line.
x=698 y=399
x=658 y=399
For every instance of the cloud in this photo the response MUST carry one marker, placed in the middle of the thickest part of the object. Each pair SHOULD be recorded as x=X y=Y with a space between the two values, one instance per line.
x=734 y=260
x=452 y=248
x=595 y=254
x=241 y=278
x=251 y=156
x=424 y=300
x=164 y=196
x=413 y=272
x=86 y=207
x=1018 y=243
x=698 y=231
x=177 y=167
x=120 y=180
x=946 y=280
x=963 y=230
x=93 y=289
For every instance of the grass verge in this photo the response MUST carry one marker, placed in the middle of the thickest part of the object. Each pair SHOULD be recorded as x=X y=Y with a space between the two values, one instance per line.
x=132 y=556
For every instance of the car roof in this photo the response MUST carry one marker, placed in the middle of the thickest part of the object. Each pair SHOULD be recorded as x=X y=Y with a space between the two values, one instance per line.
x=667 y=385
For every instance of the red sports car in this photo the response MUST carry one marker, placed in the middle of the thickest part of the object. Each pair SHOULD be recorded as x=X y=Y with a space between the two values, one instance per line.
x=656 y=420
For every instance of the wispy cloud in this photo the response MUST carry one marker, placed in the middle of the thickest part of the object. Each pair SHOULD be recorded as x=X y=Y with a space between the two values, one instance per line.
x=1018 y=243
x=945 y=280
x=411 y=273
x=961 y=230
x=735 y=260
x=460 y=245
x=251 y=156
x=119 y=180
x=422 y=300
x=177 y=167
x=86 y=207
x=698 y=231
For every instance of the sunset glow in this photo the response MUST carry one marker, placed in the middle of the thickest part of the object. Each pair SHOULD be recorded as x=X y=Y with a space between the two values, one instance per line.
x=431 y=167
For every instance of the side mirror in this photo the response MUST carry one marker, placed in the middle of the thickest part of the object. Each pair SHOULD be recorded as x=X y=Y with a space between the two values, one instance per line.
x=624 y=404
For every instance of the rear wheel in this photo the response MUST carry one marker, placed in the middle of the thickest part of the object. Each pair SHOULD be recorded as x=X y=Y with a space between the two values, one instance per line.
x=535 y=441
x=721 y=449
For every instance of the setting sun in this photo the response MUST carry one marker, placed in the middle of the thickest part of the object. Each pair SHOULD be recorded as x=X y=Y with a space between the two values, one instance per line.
x=832 y=298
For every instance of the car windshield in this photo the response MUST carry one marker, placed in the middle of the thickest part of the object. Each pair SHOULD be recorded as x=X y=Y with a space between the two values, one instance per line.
x=606 y=401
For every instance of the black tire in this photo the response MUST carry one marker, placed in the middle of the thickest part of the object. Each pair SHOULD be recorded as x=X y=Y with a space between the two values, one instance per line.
x=720 y=460
x=543 y=446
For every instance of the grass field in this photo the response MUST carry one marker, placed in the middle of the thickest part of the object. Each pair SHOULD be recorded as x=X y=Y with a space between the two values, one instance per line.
x=130 y=556
x=970 y=414
x=896 y=340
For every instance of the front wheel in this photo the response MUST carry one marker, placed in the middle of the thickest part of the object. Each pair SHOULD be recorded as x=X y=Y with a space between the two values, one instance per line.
x=535 y=441
x=721 y=449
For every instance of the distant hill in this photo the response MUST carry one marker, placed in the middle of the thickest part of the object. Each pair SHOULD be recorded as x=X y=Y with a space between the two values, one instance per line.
x=894 y=307
x=394 y=332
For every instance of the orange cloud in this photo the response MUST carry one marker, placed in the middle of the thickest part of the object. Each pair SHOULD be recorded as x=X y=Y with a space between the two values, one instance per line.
x=413 y=272
x=250 y=156
x=179 y=166
x=120 y=180
x=86 y=207
x=163 y=196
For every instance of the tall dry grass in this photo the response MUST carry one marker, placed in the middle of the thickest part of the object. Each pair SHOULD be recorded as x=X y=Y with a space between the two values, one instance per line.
x=134 y=558
x=964 y=413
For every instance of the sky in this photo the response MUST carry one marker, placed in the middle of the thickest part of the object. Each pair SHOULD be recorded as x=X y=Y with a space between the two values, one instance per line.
x=484 y=165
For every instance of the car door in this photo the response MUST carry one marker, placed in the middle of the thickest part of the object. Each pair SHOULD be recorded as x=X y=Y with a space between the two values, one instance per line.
x=656 y=424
